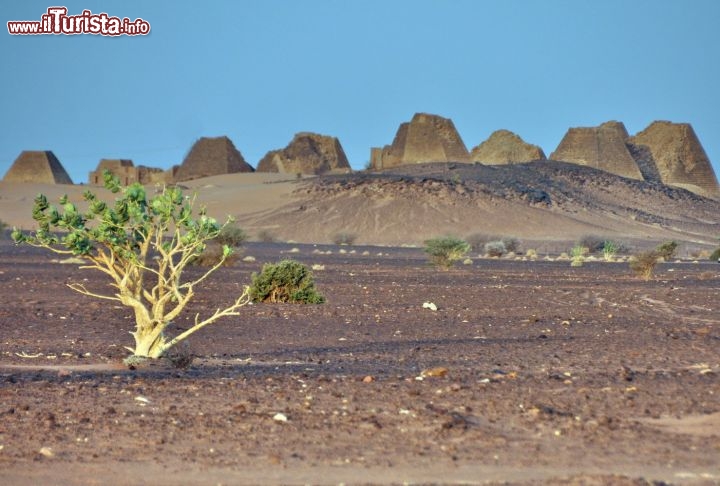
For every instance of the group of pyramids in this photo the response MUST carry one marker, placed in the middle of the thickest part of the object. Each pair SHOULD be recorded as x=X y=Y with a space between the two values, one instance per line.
x=665 y=152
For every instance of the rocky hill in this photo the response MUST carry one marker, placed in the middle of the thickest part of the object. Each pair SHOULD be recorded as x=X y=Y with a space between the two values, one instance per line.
x=505 y=147
x=307 y=153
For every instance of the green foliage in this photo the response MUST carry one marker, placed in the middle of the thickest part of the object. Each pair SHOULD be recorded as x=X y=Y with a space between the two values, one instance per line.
x=715 y=256
x=446 y=251
x=143 y=245
x=609 y=249
x=643 y=264
x=286 y=281
x=666 y=250
x=577 y=255
x=495 y=248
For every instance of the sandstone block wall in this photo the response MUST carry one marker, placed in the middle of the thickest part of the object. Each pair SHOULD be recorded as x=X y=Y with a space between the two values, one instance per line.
x=678 y=156
x=426 y=138
x=600 y=147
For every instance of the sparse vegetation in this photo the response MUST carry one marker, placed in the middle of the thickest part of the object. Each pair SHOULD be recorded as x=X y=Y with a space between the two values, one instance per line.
x=643 y=264
x=444 y=252
x=3 y=228
x=143 y=246
x=512 y=244
x=212 y=255
x=266 y=236
x=477 y=241
x=593 y=243
x=286 y=281
x=609 y=249
x=495 y=249
x=666 y=250
x=577 y=255
x=232 y=236
x=715 y=256
x=344 y=238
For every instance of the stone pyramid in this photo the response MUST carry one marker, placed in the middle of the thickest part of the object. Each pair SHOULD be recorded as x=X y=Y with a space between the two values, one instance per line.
x=426 y=138
x=40 y=166
x=211 y=156
x=307 y=153
x=600 y=147
x=678 y=156
x=505 y=147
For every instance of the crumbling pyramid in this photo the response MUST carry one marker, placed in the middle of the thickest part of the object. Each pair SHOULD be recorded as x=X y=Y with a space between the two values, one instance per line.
x=427 y=138
x=678 y=156
x=40 y=166
x=307 y=153
x=211 y=156
x=600 y=147
x=125 y=170
x=505 y=147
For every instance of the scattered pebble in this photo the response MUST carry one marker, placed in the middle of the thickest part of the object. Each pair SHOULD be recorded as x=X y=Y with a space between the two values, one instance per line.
x=47 y=452
x=248 y=259
x=368 y=379
x=280 y=417
x=429 y=305
x=434 y=372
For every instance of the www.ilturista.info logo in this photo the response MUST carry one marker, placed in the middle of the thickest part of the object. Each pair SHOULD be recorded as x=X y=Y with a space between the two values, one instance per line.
x=57 y=21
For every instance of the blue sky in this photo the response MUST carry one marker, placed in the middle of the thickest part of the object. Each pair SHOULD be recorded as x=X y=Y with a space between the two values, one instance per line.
x=260 y=71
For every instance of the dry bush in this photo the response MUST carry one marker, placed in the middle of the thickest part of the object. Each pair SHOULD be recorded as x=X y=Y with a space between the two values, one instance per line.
x=593 y=243
x=512 y=244
x=477 y=241
x=715 y=256
x=643 y=264
x=266 y=236
x=495 y=249
x=213 y=255
x=344 y=238
x=666 y=250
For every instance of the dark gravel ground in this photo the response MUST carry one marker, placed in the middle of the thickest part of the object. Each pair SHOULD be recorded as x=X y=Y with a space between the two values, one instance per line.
x=527 y=373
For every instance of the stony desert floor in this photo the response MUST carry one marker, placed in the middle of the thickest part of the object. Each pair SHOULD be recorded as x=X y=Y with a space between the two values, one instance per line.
x=527 y=373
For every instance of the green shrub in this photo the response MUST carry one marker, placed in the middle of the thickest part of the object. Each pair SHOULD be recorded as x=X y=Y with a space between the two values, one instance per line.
x=609 y=249
x=344 y=238
x=143 y=245
x=286 y=281
x=643 y=264
x=232 y=236
x=715 y=256
x=666 y=250
x=446 y=251
x=495 y=249
x=577 y=255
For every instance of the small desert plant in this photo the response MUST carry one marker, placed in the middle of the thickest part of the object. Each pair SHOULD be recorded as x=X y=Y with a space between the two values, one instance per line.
x=577 y=255
x=212 y=255
x=286 y=281
x=344 y=238
x=477 y=241
x=593 y=243
x=531 y=253
x=143 y=245
x=232 y=236
x=666 y=250
x=512 y=244
x=495 y=249
x=3 y=228
x=446 y=251
x=266 y=236
x=643 y=264
x=715 y=256
x=609 y=249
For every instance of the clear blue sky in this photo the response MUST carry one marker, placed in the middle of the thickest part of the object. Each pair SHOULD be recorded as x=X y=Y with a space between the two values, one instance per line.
x=260 y=71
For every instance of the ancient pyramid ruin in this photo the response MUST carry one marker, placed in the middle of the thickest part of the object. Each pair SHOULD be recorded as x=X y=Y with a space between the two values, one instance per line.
x=211 y=156
x=125 y=170
x=505 y=147
x=307 y=153
x=600 y=147
x=678 y=156
x=39 y=166
x=426 y=138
